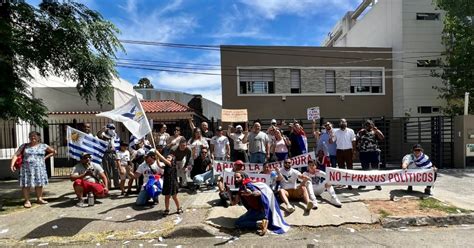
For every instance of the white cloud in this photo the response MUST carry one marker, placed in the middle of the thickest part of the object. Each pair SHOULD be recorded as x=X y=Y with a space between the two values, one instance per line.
x=272 y=8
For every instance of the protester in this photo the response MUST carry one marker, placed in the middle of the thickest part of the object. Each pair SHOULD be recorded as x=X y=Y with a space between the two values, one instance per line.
x=205 y=132
x=196 y=142
x=87 y=129
x=418 y=160
x=125 y=168
x=345 y=139
x=316 y=133
x=239 y=152
x=326 y=133
x=317 y=183
x=88 y=177
x=262 y=208
x=173 y=141
x=220 y=147
x=290 y=190
x=170 y=183
x=367 y=144
x=150 y=167
x=162 y=138
x=299 y=142
x=267 y=169
x=33 y=168
x=183 y=157
x=225 y=193
x=108 y=134
x=259 y=144
x=280 y=146
x=202 y=170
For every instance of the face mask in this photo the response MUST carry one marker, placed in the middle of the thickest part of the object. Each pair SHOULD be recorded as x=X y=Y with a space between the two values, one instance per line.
x=111 y=132
x=343 y=126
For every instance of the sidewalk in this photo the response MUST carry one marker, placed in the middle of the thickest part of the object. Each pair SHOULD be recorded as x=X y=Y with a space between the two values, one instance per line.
x=116 y=217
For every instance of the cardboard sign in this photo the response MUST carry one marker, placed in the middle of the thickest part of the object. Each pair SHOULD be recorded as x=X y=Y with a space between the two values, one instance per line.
x=234 y=115
x=313 y=113
x=296 y=162
x=256 y=177
x=371 y=178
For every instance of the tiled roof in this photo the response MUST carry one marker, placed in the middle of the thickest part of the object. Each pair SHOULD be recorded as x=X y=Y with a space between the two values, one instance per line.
x=164 y=106
x=74 y=113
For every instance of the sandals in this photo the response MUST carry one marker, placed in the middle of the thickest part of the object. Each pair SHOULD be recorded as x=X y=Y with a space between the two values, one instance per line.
x=41 y=201
x=27 y=204
x=166 y=212
x=180 y=210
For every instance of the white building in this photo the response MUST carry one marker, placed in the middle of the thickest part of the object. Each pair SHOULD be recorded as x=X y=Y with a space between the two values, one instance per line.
x=412 y=28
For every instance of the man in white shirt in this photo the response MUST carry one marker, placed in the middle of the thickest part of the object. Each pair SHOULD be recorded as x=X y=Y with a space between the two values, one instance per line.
x=220 y=146
x=148 y=168
x=240 y=148
x=345 y=139
x=290 y=190
x=88 y=177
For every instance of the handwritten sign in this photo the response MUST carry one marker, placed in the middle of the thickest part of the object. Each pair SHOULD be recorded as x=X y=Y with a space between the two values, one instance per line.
x=256 y=177
x=313 y=113
x=390 y=177
x=234 y=115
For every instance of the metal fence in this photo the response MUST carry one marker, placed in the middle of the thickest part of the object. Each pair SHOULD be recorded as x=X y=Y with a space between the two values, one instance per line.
x=434 y=133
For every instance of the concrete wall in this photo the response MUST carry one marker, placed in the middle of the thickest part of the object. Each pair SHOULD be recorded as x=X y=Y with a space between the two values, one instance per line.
x=294 y=106
x=463 y=129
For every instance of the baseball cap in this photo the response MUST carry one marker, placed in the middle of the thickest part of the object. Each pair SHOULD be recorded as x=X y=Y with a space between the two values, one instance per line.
x=151 y=153
x=239 y=162
x=239 y=127
x=417 y=146
x=274 y=121
x=111 y=126
x=219 y=128
x=85 y=154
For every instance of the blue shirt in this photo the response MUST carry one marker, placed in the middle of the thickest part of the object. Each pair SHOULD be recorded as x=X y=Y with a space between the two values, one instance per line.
x=331 y=147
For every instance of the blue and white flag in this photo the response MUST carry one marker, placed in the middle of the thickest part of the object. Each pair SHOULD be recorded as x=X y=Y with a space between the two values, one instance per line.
x=131 y=114
x=79 y=142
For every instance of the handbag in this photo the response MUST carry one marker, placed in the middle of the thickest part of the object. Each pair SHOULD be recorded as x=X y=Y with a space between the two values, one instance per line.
x=19 y=158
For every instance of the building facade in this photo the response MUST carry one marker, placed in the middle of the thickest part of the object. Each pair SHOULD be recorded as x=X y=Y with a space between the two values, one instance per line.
x=282 y=82
x=412 y=28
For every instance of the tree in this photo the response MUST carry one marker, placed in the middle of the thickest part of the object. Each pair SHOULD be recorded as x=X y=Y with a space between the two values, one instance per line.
x=458 y=63
x=63 y=39
x=143 y=83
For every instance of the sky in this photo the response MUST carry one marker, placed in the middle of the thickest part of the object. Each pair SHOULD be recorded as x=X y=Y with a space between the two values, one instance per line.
x=210 y=23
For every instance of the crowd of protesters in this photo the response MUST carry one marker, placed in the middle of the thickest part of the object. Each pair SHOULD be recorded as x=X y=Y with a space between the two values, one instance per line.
x=177 y=162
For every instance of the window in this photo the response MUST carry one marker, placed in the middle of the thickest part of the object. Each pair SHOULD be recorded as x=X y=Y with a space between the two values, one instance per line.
x=427 y=63
x=330 y=81
x=366 y=82
x=256 y=81
x=427 y=16
x=428 y=109
x=295 y=81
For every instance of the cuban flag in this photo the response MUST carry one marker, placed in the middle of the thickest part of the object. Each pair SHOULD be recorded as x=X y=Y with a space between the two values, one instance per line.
x=132 y=116
x=276 y=223
x=79 y=142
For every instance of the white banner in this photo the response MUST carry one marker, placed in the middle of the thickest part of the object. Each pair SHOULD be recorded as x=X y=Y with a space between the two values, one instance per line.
x=296 y=162
x=256 y=177
x=132 y=115
x=389 y=177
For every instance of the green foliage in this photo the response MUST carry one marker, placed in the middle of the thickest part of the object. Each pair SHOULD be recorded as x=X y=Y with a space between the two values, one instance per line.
x=143 y=83
x=432 y=203
x=458 y=64
x=63 y=39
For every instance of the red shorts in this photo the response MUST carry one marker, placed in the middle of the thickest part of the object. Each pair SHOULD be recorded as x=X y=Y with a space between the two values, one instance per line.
x=96 y=188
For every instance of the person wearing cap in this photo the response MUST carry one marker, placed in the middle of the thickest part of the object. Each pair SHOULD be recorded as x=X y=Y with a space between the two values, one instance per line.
x=324 y=137
x=124 y=166
x=108 y=134
x=240 y=148
x=259 y=144
x=367 y=145
x=345 y=139
x=150 y=167
x=183 y=160
x=220 y=146
x=271 y=130
x=418 y=160
x=88 y=177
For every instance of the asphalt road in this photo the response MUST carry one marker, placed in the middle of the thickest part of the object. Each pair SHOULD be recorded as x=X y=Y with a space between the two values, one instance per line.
x=452 y=236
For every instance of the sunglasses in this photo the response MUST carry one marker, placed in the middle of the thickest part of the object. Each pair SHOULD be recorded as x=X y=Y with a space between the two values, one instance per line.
x=177 y=130
x=287 y=162
x=417 y=150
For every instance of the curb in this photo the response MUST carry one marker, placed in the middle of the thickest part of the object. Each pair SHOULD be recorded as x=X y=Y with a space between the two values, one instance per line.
x=398 y=222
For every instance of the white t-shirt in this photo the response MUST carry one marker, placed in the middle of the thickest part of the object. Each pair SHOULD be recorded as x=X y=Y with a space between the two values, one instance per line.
x=219 y=143
x=318 y=178
x=196 y=146
x=238 y=144
x=163 y=138
x=344 y=138
x=124 y=157
x=280 y=146
x=81 y=168
x=144 y=169
x=289 y=178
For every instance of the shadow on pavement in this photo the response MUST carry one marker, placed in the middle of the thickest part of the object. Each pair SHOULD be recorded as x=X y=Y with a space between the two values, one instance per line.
x=63 y=227
x=148 y=216
x=68 y=203
x=399 y=193
x=225 y=222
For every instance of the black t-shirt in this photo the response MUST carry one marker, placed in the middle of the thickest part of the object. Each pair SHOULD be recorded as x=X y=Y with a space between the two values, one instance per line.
x=200 y=166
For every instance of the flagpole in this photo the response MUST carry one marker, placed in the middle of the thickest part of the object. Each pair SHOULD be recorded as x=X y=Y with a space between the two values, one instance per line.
x=147 y=123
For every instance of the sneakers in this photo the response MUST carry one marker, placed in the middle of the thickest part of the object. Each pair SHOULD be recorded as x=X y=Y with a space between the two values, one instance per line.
x=290 y=209
x=410 y=188
x=262 y=226
x=81 y=204
x=378 y=187
x=349 y=187
x=334 y=201
x=427 y=191
x=361 y=187
x=315 y=205
x=309 y=206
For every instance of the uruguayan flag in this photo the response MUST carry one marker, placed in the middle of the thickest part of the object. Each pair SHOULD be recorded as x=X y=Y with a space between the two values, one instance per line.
x=276 y=223
x=131 y=114
x=79 y=142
